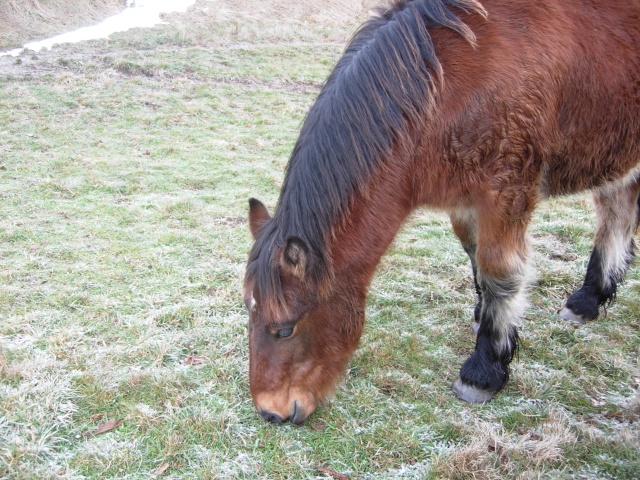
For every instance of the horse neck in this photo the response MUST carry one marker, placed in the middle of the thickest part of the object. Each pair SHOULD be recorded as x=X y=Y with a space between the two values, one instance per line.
x=371 y=223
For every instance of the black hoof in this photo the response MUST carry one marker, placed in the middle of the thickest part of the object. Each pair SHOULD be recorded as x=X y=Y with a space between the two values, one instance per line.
x=581 y=307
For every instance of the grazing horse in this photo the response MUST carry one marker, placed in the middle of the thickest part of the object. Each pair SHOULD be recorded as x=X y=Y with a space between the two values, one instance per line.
x=477 y=110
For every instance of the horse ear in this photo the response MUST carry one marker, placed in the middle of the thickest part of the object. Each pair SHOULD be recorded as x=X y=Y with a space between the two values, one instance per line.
x=258 y=216
x=295 y=257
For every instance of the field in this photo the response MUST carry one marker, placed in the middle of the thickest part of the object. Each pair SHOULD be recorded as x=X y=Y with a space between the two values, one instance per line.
x=125 y=169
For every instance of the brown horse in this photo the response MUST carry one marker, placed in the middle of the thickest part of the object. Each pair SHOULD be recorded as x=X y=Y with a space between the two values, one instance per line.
x=477 y=110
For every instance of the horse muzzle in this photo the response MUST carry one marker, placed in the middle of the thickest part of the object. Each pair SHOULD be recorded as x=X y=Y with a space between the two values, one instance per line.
x=295 y=408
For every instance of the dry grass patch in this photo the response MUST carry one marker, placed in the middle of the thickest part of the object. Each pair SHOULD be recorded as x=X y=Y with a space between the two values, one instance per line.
x=496 y=453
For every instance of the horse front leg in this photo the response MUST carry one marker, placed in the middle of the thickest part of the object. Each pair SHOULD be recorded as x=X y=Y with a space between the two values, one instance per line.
x=501 y=257
x=614 y=248
x=464 y=223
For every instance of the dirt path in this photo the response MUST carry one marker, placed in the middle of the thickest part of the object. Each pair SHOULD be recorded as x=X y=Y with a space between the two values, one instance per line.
x=92 y=60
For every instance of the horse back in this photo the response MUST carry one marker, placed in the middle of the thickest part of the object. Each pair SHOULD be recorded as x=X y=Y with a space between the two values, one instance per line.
x=548 y=99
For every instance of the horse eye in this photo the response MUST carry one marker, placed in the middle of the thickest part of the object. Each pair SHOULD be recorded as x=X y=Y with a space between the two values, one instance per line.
x=284 y=333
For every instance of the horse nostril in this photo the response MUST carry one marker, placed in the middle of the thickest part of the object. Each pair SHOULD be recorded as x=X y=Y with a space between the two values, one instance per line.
x=298 y=416
x=271 y=417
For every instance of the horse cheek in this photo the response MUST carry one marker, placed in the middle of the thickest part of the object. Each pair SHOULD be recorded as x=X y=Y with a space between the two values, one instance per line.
x=263 y=360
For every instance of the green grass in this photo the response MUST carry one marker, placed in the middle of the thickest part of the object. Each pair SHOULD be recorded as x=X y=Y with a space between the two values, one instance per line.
x=124 y=179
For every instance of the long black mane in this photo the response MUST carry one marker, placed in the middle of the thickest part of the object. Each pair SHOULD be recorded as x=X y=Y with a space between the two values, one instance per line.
x=384 y=83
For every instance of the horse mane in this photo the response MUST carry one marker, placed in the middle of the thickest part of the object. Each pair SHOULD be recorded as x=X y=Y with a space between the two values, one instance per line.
x=383 y=86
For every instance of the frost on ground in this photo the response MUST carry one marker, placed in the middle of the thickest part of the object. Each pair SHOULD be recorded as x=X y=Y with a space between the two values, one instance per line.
x=125 y=169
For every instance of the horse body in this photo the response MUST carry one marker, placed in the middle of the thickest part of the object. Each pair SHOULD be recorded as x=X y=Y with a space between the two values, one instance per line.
x=435 y=103
x=540 y=102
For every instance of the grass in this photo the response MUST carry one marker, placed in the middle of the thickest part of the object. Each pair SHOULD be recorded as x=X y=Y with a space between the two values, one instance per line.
x=125 y=169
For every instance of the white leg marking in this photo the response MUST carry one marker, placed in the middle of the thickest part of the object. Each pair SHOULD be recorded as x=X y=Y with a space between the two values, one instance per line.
x=616 y=257
x=506 y=308
x=616 y=211
x=507 y=314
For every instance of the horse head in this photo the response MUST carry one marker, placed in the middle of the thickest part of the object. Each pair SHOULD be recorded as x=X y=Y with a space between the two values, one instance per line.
x=301 y=334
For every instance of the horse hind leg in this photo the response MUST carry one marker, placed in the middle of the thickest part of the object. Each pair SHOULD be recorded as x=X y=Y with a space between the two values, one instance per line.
x=464 y=226
x=617 y=211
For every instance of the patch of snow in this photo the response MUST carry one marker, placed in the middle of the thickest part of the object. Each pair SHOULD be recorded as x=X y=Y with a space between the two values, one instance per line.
x=139 y=14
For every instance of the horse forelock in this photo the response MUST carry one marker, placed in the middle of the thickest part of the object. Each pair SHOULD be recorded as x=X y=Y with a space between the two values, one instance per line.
x=382 y=89
x=264 y=274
